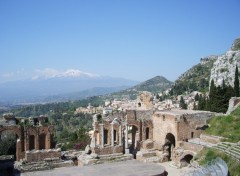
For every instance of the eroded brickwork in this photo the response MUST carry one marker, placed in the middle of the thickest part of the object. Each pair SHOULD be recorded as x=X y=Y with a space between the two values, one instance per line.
x=30 y=138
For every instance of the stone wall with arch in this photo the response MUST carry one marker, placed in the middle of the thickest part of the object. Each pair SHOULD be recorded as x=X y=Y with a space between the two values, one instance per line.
x=28 y=138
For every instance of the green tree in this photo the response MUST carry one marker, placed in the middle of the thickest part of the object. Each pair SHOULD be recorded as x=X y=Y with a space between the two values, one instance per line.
x=236 y=83
x=196 y=97
x=182 y=105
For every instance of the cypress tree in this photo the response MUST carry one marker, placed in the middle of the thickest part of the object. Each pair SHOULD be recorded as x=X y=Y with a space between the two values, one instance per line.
x=236 y=83
x=182 y=105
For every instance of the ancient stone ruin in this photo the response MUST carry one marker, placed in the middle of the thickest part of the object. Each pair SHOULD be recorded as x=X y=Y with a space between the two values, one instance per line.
x=147 y=134
x=34 y=140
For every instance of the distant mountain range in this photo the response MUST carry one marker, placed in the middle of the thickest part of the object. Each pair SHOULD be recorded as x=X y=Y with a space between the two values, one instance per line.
x=74 y=86
x=54 y=86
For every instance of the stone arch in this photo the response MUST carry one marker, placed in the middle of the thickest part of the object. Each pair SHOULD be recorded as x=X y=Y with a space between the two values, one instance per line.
x=169 y=144
x=14 y=129
x=170 y=139
x=186 y=159
x=32 y=142
x=18 y=131
x=42 y=141
x=105 y=136
x=134 y=138
x=147 y=133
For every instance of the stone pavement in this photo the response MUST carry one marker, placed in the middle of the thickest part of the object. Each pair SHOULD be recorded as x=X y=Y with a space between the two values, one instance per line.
x=125 y=168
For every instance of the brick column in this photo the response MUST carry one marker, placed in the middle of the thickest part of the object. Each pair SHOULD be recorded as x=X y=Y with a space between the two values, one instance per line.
x=37 y=140
x=102 y=135
x=26 y=140
x=126 y=139
x=120 y=135
x=112 y=137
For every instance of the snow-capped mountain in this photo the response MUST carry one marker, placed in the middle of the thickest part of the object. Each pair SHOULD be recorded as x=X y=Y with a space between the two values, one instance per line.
x=50 y=82
x=73 y=73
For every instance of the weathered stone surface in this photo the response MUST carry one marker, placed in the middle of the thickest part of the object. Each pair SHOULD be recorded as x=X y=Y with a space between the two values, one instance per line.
x=148 y=144
x=88 y=150
x=234 y=103
x=225 y=65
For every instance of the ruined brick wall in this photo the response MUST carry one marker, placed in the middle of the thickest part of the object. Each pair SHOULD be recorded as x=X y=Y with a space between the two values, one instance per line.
x=40 y=155
x=162 y=125
x=131 y=115
x=191 y=146
x=29 y=136
x=189 y=125
x=107 y=150
x=145 y=100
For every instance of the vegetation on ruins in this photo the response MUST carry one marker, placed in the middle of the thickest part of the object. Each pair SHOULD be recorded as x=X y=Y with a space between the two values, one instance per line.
x=208 y=154
x=70 y=129
x=226 y=126
x=8 y=144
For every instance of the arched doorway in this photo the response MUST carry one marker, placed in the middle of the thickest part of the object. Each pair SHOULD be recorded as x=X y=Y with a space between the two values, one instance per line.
x=8 y=143
x=147 y=133
x=31 y=142
x=105 y=136
x=185 y=161
x=133 y=136
x=170 y=143
x=42 y=141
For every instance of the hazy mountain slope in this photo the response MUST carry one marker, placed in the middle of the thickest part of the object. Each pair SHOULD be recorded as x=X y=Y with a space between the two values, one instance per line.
x=155 y=85
x=196 y=78
x=39 y=90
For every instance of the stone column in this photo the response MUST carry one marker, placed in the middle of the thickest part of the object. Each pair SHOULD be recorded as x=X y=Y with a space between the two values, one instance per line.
x=126 y=139
x=26 y=140
x=120 y=135
x=37 y=140
x=102 y=135
x=112 y=129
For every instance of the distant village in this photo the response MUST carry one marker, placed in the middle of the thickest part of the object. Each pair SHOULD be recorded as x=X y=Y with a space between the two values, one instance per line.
x=159 y=103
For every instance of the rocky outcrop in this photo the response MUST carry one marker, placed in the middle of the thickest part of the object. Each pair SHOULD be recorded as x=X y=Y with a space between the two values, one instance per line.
x=225 y=65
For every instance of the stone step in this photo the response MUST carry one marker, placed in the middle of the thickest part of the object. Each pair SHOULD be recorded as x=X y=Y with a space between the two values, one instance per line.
x=153 y=159
x=236 y=149
x=232 y=153
x=114 y=158
x=220 y=148
x=34 y=167
x=149 y=154
x=224 y=145
x=111 y=155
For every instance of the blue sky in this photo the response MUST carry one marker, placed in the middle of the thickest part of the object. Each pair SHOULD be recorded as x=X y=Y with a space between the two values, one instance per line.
x=134 y=39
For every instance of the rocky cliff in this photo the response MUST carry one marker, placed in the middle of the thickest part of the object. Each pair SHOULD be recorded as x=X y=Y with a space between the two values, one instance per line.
x=225 y=65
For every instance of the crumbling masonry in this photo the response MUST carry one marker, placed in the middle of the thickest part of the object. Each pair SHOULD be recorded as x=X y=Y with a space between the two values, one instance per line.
x=145 y=133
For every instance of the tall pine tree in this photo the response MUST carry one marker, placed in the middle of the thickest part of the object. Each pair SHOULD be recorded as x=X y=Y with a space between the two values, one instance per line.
x=236 y=82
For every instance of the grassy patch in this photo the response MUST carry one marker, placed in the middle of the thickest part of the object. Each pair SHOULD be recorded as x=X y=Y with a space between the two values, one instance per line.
x=207 y=155
x=226 y=126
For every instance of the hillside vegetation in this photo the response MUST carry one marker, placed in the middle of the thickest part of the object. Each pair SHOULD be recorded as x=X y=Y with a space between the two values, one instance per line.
x=226 y=126
x=196 y=78
x=155 y=85
x=208 y=154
